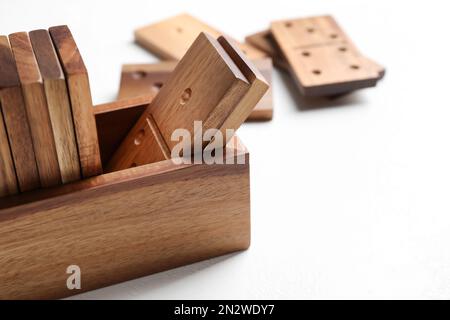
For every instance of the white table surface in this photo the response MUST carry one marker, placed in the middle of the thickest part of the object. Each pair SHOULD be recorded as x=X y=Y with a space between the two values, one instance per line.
x=348 y=201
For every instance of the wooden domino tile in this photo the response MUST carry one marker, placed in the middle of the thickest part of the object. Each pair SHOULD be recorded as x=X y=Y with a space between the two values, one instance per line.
x=58 y=105
x=144 y=79
x=8 y=180
x=81 y=100
x=264 y=41
x=113 y=127
x=170 y=39
x=213 y=83
x=321 y=58
x=37 y=109
x=264 y=109
x=147 y=79
x=16 y=122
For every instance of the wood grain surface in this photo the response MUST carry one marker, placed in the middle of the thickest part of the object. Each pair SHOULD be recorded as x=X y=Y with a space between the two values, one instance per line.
x=58 y=105
x=147 y=79
x=207 y=85
x=37 y=110
x=16 y=120
x=170 y=38
x=8 y=180
x=322 y=59
x=258 y=88
x=81 y=100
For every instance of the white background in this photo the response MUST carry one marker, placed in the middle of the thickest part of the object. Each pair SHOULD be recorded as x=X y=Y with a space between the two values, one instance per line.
x=348 y=201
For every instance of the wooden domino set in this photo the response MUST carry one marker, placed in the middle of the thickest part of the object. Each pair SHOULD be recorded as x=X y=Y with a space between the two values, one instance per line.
x=102 y=188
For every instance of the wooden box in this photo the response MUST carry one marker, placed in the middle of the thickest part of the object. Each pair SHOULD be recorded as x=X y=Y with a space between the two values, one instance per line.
x=122 y=225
